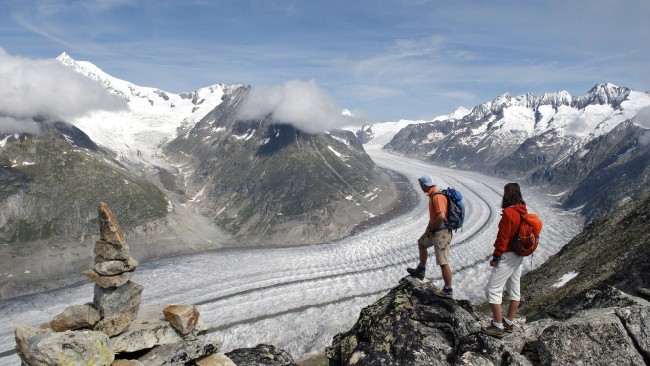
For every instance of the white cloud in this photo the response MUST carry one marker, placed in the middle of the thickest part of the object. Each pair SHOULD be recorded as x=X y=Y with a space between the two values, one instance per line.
x=642 y=119
x=46 y=90
x=300 y=103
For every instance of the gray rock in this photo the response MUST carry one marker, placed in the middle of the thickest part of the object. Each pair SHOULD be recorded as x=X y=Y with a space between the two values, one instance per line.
x=637 y=323
x=410 y=326
x=594 y=337
x=108 y=281
x=109 y=251
x=115 y=267
x=114 y=301
x=114 y=325
x=262 y=354
x=75 y=317
x=70 y=348
x=145 y=333
x=179 y=353
x=23 y=333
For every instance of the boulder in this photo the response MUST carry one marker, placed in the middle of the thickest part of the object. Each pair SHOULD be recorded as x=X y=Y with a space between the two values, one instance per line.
x=262 y=354
x=182 y=317
x=179 y=353
x=23 y=333
x=410 y=325
x=145 y=333
x=596 y=337
x=637 y=323
x=69 y=348
x=75 y=317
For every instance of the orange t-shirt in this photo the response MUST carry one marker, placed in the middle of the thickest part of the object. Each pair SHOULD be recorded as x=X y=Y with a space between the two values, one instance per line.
x=438 y=204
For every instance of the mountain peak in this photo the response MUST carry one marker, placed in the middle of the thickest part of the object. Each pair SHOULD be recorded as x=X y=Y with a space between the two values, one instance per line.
x=606 y=93
x=65 y=59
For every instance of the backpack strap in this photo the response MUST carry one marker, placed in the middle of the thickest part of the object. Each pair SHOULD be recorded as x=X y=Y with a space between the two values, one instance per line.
x=521 y=221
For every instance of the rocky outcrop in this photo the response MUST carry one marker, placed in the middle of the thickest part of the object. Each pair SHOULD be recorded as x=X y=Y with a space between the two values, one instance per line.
x=112 y=326
x=411 y=326
x=262 y=354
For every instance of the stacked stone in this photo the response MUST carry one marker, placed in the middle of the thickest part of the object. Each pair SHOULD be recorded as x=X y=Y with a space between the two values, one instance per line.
x=116 y=297
x=112 y=324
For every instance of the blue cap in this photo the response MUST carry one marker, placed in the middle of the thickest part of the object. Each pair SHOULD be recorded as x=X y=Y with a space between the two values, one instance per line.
x=426 y=180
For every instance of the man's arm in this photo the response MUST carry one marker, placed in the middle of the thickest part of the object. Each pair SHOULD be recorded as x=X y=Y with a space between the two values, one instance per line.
x=436 y=222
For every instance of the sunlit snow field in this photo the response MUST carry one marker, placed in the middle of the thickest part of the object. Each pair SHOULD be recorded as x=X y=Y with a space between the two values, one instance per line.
x=298 y=298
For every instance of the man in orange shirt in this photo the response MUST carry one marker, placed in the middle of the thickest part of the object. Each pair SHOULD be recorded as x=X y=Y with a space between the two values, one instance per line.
x=436 y=235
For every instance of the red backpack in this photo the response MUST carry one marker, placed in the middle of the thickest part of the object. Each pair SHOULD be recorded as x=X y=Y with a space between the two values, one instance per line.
x=525 y=241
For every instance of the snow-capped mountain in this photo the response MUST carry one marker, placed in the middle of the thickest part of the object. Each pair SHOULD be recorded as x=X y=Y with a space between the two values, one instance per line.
x=556 y=140
x=182 y=171
x=155 y=116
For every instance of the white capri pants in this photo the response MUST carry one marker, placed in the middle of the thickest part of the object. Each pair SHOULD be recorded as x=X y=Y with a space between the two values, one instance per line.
x=507 y=273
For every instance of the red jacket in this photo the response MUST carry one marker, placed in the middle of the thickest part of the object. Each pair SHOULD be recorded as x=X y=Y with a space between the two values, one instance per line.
x=508 y=227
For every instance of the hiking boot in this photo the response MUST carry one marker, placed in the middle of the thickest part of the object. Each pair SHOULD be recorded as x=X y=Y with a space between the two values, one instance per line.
x=508 y=328
x=444 y=292
x=494 y=331
x=416 y=272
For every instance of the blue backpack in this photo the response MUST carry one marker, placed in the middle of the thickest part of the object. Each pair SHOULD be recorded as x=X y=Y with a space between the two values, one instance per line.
x=455 y=209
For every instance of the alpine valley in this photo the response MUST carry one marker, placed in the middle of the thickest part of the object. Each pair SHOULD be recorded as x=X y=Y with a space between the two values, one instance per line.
x=184 y=173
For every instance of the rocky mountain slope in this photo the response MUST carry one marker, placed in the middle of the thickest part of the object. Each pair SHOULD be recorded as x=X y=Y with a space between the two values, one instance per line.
x=613 y=251
x=593 y=148
x=265 y=181
x=50 y=183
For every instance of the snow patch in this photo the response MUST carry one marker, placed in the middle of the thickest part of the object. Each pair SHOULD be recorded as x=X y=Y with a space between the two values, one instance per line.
x=566 y=278
x=338 y=154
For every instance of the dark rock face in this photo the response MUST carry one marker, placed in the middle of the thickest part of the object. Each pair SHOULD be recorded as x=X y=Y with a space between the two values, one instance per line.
x=265 y=181
x=408 y=326
x=411 y=326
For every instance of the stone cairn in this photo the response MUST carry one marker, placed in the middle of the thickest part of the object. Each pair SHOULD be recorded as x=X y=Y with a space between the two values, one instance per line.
x=112 y=330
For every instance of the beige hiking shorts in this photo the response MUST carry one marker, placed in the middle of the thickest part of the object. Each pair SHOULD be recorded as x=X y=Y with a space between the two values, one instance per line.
x=440 y=240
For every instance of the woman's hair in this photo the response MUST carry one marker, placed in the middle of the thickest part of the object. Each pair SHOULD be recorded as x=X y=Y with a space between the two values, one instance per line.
x=511 y=195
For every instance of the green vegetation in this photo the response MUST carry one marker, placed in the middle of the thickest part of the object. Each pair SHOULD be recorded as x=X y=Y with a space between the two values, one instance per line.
x=62 y=187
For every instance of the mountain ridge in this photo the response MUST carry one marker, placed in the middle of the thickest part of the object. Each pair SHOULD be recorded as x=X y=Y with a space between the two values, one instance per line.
x=555 y=141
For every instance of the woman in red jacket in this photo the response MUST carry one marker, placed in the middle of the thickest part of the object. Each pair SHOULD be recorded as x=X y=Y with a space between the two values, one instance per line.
x=506 y=271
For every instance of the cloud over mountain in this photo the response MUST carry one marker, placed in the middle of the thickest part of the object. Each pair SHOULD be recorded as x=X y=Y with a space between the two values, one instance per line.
x=300 y=103
x=33 y=89
x=643 y=119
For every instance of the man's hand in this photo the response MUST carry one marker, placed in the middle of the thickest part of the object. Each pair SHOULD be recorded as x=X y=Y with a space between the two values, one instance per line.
x=493 y=263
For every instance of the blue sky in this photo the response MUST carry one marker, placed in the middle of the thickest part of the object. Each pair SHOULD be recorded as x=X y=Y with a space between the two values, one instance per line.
x=387 y=60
